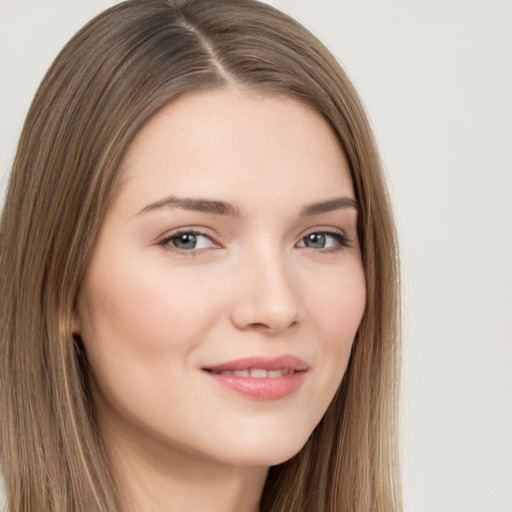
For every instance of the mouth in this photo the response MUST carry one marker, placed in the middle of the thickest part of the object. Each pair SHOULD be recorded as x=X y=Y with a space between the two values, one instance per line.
x=261 y=378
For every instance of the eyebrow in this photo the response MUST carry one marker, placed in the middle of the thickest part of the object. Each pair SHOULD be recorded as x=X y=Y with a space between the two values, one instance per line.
x=223 y=208
x=195 y=204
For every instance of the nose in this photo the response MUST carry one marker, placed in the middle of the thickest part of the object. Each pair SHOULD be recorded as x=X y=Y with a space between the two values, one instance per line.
x=267 y=296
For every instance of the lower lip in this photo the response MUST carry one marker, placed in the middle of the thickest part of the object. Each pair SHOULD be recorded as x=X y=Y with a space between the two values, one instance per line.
x=261 y=388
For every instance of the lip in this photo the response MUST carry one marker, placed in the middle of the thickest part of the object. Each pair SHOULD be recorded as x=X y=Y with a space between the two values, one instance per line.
x=293 y=368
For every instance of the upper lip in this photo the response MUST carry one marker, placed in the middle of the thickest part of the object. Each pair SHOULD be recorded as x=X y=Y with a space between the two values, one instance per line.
x=288 y=362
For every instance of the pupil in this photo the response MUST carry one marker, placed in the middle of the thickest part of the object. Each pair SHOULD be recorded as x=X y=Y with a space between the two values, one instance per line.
x=187 y=241
x=317 y=240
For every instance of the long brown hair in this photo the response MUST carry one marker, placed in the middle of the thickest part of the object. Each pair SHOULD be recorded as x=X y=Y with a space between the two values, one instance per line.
x=113 y=75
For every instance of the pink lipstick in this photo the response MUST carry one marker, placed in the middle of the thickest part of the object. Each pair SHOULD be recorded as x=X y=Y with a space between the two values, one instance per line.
x=261 y=378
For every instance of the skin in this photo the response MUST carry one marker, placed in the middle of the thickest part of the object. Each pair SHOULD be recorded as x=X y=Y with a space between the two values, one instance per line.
x=153 y=313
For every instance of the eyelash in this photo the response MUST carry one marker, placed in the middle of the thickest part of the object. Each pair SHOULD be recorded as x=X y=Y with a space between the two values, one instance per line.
x=341 y=241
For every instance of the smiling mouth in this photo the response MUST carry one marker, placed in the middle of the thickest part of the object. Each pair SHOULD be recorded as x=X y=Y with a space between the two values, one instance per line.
x=261 y=378
x=260 y=366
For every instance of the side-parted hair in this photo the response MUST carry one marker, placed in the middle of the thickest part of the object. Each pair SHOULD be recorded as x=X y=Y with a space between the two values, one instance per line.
x=110 y=79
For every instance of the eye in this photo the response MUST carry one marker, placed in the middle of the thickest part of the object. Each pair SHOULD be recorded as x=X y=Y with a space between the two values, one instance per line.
x=188 y=241
x=325 y=240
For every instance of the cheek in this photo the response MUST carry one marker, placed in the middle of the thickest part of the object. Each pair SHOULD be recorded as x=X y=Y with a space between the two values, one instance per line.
x=338 y=306
x=140 y=331
x=148 y=312
x=336 y=310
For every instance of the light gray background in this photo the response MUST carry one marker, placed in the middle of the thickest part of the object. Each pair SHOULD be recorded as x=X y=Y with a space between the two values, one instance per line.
x=436 y=77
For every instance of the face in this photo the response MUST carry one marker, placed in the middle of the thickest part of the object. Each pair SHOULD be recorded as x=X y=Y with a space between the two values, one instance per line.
x=226 y=286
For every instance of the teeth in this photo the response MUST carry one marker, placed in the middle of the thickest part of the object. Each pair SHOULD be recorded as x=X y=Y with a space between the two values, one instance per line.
x=258 y=373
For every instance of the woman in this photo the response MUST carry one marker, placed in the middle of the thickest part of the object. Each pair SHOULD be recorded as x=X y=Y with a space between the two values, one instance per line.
x=198 y=274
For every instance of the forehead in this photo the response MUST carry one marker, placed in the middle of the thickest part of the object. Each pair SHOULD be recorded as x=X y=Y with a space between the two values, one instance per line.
x=230 y=142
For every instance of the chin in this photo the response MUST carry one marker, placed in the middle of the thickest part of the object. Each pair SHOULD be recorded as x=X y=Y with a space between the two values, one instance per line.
x=266 y=450
x=277 y=457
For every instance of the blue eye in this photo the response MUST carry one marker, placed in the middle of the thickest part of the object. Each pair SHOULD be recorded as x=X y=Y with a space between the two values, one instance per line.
x=330 y=240
x=188 y=241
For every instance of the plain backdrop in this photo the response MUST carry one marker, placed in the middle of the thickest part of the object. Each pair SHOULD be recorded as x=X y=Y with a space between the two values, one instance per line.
x=436 y=77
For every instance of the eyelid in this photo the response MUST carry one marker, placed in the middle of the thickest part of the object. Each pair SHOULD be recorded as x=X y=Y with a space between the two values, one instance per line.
x=193 y=230
x=324 y=229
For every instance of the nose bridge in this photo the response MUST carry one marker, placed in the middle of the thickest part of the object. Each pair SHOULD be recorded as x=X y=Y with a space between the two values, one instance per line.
x=267 y=295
